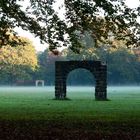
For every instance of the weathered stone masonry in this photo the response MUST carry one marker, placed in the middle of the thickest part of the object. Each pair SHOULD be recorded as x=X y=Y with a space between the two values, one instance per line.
x=99 y=71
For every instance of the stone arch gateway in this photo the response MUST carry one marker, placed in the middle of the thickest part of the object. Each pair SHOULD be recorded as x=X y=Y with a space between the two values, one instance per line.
x=39 y=81
x=97 y=68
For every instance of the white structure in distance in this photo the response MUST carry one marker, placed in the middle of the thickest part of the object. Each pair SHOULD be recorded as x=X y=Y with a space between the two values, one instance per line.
x=39 y=83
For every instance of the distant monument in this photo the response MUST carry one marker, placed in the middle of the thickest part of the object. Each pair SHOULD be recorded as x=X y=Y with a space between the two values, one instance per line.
x=97 y=68
x=39 y=83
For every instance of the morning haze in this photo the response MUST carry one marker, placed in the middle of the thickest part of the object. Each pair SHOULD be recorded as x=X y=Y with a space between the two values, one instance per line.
x=93 y=94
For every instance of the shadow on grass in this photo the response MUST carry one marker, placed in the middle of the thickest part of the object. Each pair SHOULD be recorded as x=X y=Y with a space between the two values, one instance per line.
x=62 y=99
x=102 y=100
x=68 y=99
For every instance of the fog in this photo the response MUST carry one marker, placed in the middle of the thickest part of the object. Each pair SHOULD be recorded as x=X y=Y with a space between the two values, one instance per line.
x=27 y=88
x=69 y=88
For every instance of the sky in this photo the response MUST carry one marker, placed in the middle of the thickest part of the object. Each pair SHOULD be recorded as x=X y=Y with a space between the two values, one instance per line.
x=36 y=41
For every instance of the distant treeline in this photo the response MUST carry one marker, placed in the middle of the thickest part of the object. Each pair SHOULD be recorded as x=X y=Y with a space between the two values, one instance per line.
x=123 y=67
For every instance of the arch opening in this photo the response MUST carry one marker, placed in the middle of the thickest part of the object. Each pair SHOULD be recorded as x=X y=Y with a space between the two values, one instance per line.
x=80 y=83
x=80 y=77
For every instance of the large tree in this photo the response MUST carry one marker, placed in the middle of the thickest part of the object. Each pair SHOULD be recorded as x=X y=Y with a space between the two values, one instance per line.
x=17 y=63
x=41 y=19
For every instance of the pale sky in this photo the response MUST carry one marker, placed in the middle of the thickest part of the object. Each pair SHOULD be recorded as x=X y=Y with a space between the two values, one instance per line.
x=41 y=47
x=35 y=40
x=132 y=3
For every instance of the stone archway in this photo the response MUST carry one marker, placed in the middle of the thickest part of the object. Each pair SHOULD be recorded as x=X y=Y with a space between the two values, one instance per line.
x=37 y=82
x=98 y=69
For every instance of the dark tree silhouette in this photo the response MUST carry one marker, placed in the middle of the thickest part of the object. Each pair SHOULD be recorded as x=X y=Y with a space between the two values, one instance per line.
x=41 y=19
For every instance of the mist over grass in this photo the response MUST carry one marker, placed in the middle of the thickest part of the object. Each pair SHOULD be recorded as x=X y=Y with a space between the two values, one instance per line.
x=31 y=111
x=36 y=103
x=78 y=92
x=69 y=88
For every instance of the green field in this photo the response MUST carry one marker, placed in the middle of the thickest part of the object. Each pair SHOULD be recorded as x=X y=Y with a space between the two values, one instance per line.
x=81 y=112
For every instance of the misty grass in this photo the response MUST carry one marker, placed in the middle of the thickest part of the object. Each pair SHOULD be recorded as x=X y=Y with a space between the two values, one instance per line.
x=37 y=104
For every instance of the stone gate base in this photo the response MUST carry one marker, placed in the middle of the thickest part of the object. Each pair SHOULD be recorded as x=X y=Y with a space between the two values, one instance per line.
x=98 y=69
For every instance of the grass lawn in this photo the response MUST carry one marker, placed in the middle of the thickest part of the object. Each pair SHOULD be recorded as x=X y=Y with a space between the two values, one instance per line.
x=32 y=111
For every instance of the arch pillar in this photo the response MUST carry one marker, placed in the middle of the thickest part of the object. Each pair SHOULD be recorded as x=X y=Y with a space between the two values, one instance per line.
x=101 y=84
x=60 y=83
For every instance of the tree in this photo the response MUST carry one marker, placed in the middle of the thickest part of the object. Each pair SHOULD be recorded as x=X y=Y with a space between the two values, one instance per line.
x=122 y=63
x=17 y=63
x=123 y=67
x=46 y=69
x=41 y=19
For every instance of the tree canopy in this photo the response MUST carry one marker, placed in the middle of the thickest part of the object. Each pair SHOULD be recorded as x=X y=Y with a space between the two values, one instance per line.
x=98 y=17
x=17 y=63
